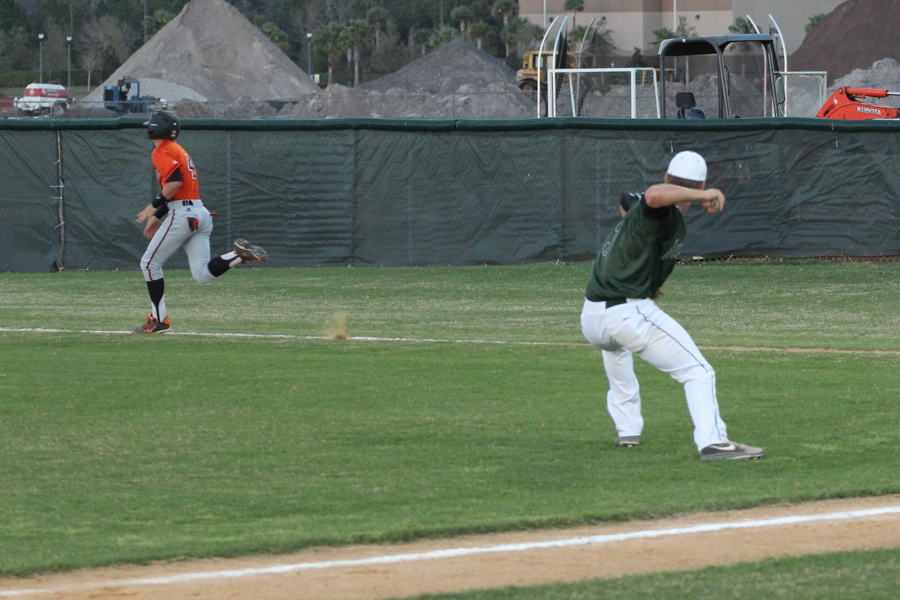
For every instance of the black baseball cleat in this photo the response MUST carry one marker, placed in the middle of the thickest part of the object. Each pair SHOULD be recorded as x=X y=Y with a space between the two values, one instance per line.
x=249 y=252
x=628 y=441
x=154 y=326
x=730 y=451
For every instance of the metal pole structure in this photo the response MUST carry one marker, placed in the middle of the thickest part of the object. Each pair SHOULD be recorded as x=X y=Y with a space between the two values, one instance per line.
x=544 y=22
x=752 y=22
x=540 y=59
x=580 y=52
x=551 y=84
x=675 y=15
x=784 y=68
x=309 y=54
x=69 y=61
x=765 y=67
x=41 y=53
x=780 y=39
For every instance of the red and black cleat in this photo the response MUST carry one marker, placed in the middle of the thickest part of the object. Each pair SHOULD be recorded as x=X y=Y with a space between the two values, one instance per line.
x=154 y=326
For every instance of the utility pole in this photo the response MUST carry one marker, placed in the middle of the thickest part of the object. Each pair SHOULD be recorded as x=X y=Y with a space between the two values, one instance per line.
x=69 y=59
x=41 y=50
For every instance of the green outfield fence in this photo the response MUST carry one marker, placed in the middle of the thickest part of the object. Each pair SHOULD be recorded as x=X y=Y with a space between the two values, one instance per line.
x=455 y=192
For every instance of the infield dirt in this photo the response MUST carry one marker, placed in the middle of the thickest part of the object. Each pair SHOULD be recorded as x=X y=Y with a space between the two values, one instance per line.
x=363 y=579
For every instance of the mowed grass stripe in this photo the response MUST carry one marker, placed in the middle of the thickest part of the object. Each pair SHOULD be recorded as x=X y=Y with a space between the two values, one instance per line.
x=123 y=448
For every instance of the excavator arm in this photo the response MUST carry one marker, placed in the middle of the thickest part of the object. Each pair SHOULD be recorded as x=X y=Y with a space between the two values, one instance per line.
x=845 y=103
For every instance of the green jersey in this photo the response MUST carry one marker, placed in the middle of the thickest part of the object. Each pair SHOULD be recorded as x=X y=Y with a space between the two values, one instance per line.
x=638 y=255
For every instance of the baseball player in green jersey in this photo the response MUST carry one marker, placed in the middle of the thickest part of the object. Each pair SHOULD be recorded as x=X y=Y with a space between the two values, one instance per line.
x=621 y=318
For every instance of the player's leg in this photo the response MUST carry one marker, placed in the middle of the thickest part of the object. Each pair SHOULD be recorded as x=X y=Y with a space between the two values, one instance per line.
x=623 y=401
x=167 y=239
x=197 y=247
x=205 y=270
x=664 y=343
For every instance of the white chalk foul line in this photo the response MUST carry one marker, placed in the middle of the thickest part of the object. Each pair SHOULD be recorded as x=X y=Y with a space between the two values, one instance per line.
x=288 y=336
x=458 y=552
x=364 y=338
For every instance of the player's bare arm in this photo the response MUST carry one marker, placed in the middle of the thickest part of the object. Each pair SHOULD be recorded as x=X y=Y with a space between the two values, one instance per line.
x=667 y=194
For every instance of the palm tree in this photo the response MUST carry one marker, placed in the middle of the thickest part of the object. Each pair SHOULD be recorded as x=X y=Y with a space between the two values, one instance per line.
x=480 y=31
x=691 y=31
x=328 y=40
x=441 y=37
x=505 y=9
x=742 y=25
x=662 y=34
x=421 y=37
x=576 y=6
x=354 y=37
x=378 y=17
x=464 y=15
x=813 y=21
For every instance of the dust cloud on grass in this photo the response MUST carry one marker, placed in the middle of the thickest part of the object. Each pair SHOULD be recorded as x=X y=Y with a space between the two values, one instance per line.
x=336 y=326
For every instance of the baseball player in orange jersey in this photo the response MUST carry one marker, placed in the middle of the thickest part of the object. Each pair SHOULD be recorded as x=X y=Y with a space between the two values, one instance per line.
x=187 y=223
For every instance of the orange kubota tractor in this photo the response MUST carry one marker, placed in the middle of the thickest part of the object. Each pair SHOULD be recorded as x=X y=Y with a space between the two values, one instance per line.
x=845 y=103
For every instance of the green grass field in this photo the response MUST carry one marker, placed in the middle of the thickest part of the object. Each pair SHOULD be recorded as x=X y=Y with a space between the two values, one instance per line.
x=477 y=407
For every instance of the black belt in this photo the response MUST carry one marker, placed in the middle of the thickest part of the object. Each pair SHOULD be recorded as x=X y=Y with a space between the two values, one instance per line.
x=184 y=202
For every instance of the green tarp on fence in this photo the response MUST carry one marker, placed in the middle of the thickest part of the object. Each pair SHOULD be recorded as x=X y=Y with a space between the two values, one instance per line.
x=381 y=192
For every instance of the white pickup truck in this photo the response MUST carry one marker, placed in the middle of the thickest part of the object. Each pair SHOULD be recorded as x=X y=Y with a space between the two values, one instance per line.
x=43 y=99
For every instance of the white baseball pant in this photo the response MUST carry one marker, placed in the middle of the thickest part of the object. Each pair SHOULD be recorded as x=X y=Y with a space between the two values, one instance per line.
x=175 y=232
x=640 y=327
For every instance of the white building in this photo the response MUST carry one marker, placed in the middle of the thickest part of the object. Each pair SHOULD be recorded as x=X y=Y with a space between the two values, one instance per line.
x=632 y=22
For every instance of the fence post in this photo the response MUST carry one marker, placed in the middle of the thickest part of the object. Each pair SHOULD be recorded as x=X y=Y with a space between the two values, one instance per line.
x=59 y=263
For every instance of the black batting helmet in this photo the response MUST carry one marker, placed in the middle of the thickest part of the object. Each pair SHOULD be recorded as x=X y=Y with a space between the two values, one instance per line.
x=163 y=125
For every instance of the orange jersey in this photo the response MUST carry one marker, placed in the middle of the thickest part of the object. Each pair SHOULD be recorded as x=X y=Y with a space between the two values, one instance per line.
x=169 y=157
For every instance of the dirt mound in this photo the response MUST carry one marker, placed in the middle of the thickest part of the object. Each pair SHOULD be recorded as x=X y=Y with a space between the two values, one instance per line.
x=883 y=74
x=853 y=36
x=445 y=70
x=215 y=53
x=456 y=81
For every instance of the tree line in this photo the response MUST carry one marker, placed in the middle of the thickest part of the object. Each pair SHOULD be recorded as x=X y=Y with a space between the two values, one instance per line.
x=347 y=41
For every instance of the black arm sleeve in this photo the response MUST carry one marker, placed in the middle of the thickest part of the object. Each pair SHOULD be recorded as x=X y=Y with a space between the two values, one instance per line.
x=158 y=201
x=627 y=200
x=654 y=213
x=161 y=211
x=175 y=176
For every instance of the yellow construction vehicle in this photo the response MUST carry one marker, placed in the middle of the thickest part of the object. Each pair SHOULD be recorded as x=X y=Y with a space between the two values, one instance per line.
x=527 y=76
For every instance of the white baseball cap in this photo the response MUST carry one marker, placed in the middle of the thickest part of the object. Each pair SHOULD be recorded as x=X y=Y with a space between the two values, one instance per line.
x=688 y=165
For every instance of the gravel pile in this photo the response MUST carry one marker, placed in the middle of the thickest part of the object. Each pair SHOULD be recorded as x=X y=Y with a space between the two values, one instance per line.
x=211 y=52
x=456 y=81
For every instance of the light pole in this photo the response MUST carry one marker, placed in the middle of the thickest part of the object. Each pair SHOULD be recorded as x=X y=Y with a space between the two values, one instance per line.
x=41 y=52
x=69 y=60
x=309 y=54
